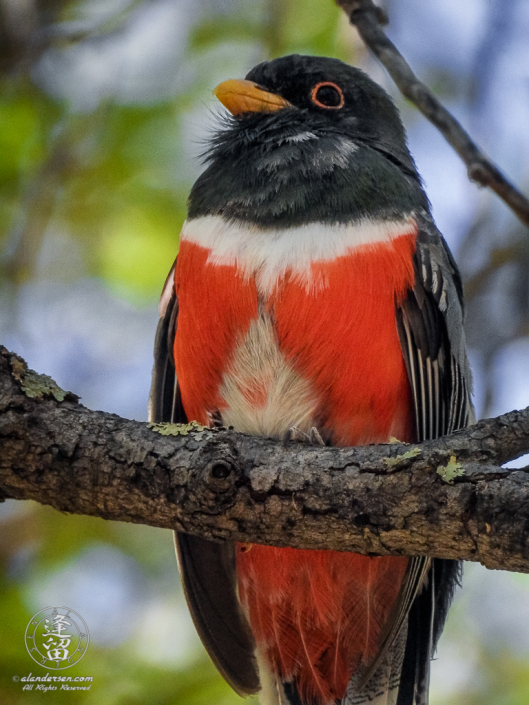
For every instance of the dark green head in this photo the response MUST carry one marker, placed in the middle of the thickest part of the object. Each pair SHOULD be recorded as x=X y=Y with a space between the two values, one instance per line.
x=342 y=97
x=311 y=138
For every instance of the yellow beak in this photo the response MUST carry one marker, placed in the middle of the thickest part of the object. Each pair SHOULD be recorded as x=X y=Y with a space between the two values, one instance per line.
x=247 y=97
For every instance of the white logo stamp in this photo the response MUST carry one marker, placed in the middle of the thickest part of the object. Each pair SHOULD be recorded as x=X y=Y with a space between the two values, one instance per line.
x=57 y=638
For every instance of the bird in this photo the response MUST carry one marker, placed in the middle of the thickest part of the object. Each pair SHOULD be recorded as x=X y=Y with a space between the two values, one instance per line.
x=313 y=299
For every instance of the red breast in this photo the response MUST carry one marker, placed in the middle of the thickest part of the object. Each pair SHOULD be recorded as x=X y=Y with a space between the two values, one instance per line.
x=329 y=321
x=273 y=335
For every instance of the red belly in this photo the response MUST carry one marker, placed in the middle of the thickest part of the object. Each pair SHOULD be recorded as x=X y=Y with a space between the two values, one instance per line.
x=317 y=615
x=344 y=339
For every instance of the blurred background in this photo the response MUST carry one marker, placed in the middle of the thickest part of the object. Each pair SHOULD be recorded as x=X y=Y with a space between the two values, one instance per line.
x=105 y=106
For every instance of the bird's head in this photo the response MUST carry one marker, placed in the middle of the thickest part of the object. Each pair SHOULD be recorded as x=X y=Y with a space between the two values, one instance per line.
x=300 y=124
x=316 y=92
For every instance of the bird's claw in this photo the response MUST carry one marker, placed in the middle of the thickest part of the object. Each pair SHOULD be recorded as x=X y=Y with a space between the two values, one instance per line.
x=313 y=437
x=215 y=419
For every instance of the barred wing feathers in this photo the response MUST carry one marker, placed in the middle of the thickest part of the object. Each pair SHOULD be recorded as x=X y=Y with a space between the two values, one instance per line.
x=430 y=325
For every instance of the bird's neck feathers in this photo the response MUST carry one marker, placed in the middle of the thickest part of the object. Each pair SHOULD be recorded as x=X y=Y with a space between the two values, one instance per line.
x=290 y=170
x=266 y=254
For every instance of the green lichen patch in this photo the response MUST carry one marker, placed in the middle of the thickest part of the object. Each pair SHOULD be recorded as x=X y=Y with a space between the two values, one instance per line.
x=450 y=471
x=35 y=385
x=399 y=459
x=395 y=441
x=178 y=429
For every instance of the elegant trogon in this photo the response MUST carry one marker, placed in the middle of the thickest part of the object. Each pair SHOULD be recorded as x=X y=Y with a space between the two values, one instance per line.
x=313 y=297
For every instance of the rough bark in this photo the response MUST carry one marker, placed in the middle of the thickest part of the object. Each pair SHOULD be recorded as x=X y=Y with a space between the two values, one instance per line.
x=386 y=499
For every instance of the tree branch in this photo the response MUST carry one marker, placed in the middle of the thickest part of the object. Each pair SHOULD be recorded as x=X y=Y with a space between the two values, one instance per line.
x=367 y=18
x=386 y=499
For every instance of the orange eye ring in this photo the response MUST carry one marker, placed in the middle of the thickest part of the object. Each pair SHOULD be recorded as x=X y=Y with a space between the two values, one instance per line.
x=322 y=105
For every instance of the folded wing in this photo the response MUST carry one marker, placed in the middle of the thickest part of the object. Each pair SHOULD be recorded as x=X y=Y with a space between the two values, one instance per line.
x=207 y=568
x=430 y=325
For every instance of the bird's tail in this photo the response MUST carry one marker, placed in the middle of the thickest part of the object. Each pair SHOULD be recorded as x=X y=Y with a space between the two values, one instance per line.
x=381 y=689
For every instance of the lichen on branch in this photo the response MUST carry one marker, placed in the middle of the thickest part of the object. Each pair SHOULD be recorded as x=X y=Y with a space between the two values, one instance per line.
x=379 y=500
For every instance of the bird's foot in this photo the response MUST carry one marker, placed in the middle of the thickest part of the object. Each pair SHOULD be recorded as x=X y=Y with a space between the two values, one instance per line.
x=313 y=437
x=215 y=419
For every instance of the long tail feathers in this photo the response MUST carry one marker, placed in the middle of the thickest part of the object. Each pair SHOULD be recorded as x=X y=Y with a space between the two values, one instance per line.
x=402 y=676
x=383 y=686
x=381 y=689
x=273 y=691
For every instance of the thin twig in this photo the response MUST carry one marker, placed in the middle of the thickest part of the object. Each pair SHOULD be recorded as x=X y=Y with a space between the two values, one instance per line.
x=367 y=18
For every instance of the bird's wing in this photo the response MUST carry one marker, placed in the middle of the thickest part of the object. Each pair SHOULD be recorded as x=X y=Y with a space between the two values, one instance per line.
x=207 y=568
x=430 y=325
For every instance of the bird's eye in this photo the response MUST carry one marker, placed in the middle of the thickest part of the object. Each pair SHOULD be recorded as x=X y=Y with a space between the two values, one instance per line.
x=327 y=95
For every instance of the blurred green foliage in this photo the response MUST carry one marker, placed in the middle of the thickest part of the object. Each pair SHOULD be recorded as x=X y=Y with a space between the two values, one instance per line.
x=120 y=677
x=115 y=178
